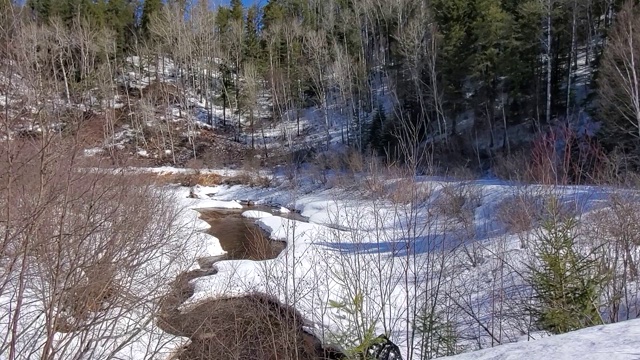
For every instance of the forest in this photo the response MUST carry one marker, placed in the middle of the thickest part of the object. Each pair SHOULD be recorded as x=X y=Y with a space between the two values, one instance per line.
x=482 y=84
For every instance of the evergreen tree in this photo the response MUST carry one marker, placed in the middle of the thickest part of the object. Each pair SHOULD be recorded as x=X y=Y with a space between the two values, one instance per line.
x=119 y=15
x=567 y=283
x=41 y=9
x=223 y=16
x=149 y=9
x=252 y=51
x=376 y=129
x=523 y=55
x=273 y=13
x=454 y=19
x=491 y=32
x=237 y=10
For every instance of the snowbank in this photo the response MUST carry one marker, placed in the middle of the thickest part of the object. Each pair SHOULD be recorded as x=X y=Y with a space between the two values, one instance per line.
x=620 y=341
x=199 y=198
x=254 y=214
x=203 y=192
x=208 y=244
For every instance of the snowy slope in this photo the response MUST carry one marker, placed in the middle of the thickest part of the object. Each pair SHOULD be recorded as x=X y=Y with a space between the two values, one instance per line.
x=620 y=341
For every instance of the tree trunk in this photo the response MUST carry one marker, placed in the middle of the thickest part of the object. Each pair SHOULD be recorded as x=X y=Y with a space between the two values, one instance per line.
x=548 y=56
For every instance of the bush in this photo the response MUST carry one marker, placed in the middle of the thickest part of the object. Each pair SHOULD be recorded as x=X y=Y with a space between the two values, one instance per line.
x=519 y=213
x=458 y=202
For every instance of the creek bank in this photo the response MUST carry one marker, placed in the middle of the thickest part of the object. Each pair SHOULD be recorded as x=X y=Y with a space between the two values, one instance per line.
x=254 y=326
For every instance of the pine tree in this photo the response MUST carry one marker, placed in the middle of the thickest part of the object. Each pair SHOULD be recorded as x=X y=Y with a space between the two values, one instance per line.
x=237 y=10
x=119 y=15
x=223 y=16
x=149 y=9
x=273 y=13
x=454 y=19
x=376 y=129
x=41 y=9
x=566 y=282
x=252 y=51
x=491 y=32
x=523 y=55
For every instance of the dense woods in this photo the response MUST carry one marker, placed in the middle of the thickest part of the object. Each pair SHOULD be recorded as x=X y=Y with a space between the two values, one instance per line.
x=473 y=82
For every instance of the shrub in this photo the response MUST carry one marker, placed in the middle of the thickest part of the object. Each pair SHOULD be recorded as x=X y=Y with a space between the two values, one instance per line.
x=519 y=213
x=458 y=202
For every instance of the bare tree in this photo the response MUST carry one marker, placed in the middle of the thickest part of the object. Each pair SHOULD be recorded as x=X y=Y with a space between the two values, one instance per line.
x=620 y=74
x=319 y=56
x=83 y=260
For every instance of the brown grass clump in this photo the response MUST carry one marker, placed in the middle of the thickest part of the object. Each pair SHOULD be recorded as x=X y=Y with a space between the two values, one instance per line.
x=406 y=191
x=458 y=201
x=519 y=213
x=246 y=179
x=205 y=179
x=192 y=179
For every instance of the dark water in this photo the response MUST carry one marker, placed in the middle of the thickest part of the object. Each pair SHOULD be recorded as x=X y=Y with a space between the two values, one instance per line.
x=240 y=237
x=255 y=326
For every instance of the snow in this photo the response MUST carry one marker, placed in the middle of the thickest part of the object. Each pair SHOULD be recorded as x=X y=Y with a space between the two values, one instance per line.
x=352 y=241
x=143 y=153
x=617 y=341
x=356 y=244
x=284 y=210
x=209 y=244
x=201 y=199
x=202 y=192
x=254 y=214
x=93 y=151
x=186 y=244
x=216 y=204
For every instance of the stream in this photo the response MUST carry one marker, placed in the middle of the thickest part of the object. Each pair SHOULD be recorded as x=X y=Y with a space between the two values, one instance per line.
x=240 y=237
x=255 y=326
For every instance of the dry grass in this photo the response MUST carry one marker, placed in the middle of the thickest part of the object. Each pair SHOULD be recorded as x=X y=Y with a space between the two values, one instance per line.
x=520 y=212
x=458 y=201
x=247 y=179
x=206 y=179
x=407 y=191
x=197 y=178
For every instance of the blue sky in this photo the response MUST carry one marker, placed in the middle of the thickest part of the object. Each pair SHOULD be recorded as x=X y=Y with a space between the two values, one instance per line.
x=245 y=2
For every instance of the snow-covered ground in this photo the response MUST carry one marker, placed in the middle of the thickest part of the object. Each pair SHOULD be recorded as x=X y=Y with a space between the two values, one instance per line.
x=618 y=341
x=370 y=261
x=377 y=263
x=128 y=332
